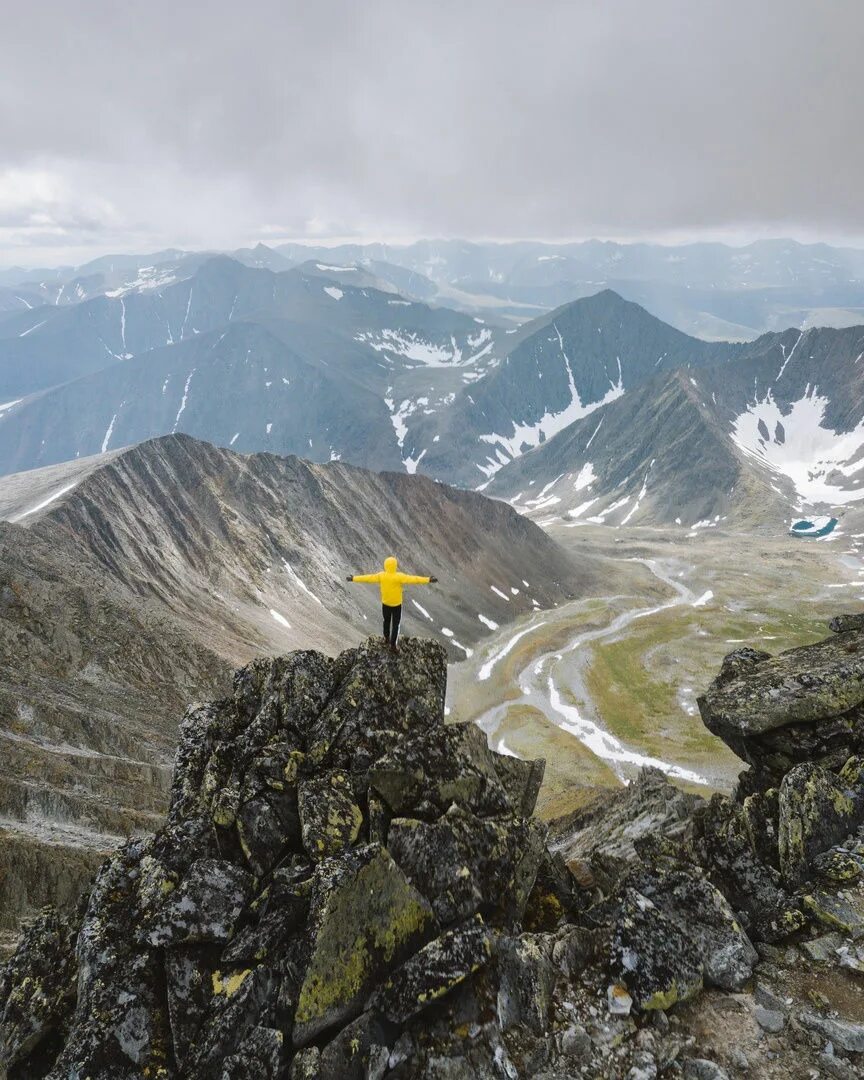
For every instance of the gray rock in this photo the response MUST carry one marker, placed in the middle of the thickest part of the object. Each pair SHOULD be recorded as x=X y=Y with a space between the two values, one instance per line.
x=703 y=1069
x=576 y=1043
x=259 y=1057
x=330 y=818
x=504 y=850
x=521 y=780
x=204 y=907
x=434 y=971
x=428 y=774
x=837 y=1067
x=822 y=949
x=601 y=841
x=527 y=978
x=656 y=960
x=704 y=916
x=770 y=1020
x=37 y=989
x=305 y=1064
x=803 y=686
x=843 y=1033
x=356 y=1053
x=366 y=919
x=841 y=624
x=817 y=809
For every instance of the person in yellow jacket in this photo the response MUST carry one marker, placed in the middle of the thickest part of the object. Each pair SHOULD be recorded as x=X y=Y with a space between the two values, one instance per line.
x=391 y=582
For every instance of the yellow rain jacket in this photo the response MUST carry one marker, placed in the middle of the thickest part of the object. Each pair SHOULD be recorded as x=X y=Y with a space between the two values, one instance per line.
x=391 y=582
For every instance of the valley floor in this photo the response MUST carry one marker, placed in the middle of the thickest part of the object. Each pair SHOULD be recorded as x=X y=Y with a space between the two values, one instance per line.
x=608 y=683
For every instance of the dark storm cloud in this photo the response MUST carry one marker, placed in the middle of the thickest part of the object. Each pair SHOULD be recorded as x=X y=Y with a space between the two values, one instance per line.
x=218 y=122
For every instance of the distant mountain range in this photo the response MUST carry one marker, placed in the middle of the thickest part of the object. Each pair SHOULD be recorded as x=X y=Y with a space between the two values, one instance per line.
x=135 y=582
x=329 y=361
x=713 y=291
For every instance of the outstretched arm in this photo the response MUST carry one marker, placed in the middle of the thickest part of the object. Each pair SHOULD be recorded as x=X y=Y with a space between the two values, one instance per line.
x=412 y=579
x=364 y=579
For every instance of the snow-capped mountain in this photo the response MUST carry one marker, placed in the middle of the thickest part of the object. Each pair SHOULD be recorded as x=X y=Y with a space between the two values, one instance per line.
x=115 y=370
x=776 y=428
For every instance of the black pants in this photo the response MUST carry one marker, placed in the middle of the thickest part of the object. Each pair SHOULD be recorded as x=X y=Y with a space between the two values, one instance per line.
x=392 y=618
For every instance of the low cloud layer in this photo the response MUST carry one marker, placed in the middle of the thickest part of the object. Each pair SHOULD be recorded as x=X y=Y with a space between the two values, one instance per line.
x=217 y=124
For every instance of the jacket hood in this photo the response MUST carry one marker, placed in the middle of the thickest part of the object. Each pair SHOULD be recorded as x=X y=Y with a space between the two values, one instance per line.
x=390 y=565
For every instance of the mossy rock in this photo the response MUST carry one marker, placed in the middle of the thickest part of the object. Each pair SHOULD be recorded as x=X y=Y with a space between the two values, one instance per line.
x=366 y=919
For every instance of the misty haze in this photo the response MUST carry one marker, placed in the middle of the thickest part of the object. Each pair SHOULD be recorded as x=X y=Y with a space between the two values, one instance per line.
x=431 y=541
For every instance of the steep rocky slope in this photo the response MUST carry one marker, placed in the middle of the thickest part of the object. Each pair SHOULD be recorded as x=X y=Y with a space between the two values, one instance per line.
x=348 y=887
x=132 y=583
x=90 y=688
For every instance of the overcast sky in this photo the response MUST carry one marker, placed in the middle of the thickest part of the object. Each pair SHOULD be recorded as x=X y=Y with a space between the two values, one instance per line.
x=136 y=126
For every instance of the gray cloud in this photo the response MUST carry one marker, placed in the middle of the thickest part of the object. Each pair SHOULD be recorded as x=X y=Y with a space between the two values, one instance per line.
x=216 y=123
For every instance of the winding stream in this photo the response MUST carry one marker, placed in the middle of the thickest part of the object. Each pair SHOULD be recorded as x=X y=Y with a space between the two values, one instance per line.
x=541 y=680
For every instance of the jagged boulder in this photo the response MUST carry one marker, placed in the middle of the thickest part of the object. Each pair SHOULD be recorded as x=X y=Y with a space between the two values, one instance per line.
x=600 y=841
x=37 y=991
x=330 y=819
x=334 y=874
x=652 y=956
x=703 y=915
x=366 y=919
x=817 y=808
x=802 y=705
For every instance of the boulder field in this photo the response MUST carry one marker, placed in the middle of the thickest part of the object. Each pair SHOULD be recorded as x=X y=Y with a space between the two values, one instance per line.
x=347 y=887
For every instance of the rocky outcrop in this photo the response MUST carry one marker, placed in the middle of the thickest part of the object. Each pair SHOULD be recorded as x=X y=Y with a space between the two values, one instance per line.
x=347 y=887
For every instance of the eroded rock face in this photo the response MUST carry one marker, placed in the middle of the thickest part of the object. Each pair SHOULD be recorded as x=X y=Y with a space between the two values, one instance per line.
x=281 y=905
x=346 y=887
x=802 y=705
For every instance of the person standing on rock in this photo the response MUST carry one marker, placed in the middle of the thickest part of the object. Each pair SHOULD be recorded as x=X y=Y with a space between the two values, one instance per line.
x=391 y=582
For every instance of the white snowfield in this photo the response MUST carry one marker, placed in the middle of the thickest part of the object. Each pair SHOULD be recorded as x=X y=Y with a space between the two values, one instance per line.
x=331 y=290
x=45 y=502
x=528 y=435
x=407 y=345
x=825 y=466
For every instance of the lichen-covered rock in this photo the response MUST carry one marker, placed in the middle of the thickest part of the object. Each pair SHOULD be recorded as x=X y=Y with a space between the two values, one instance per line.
x=723 y=847
x=242 y=1000
x=121 y=1026
x=521 y=780
x=527 y=978
x=452 y=860
x=657 y=961
x=330 y=819
x=452 y=766
x=807 y=692
x=838 y=865
x=366 y=919
x=268 y=826
x=842 y=910
x=375 y=700
x=434 y=971
x=358 y=1052
x=189 y=986
x=37 y=992
x=204 y=907
x=841 y=624
x=816 y=810
x=259 y=1056
x=705 y=918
